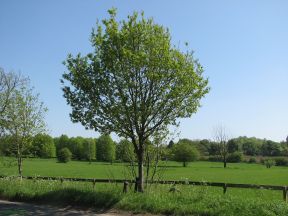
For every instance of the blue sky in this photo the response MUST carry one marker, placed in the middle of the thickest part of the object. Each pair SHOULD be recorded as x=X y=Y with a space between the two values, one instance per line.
x=242 y=45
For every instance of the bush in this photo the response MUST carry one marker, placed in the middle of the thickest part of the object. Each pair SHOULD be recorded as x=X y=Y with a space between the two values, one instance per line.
x=252 y=160
x=282 y=161
x=235 y=157
x=215 y=159
x=64 y=155
x=269 y=163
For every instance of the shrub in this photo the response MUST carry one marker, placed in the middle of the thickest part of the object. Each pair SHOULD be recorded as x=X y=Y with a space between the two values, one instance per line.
x=282 y=161
x=64 y=155
x=252 y=160
x=269 y=163
x=235 y=157
x=215 y=159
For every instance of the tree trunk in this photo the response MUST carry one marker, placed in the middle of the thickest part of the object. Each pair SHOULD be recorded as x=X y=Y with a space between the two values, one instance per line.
x=225 y=162
x=19 y=160
x=140 y=183
x=184 y=164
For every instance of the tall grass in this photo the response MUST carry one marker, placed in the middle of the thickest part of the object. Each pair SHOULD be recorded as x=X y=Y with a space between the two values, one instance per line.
x=190 y=200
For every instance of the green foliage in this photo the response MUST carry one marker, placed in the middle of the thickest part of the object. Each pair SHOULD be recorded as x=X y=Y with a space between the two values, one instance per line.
x=24 y=118
x=270 y=148
x=76 y=147
x=235 y=157
x=61 y=142
x=170 y=144
x=184 y=152
x=6 y=146
x=43 y=146
x=125 y=151
x=200 y=145
x=233 y=146
x=64 y=155
x=215 y=158
x=135 y=83
x=89 y=149
x=105 y=148
x=281 y=161
x=252 y=160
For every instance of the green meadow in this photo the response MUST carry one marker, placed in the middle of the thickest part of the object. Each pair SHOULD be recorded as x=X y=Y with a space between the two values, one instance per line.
x=189 y=200
x=196 y=171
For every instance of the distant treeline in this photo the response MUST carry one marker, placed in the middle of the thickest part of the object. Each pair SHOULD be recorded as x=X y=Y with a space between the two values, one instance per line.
x=247 y=145
x=104 y=148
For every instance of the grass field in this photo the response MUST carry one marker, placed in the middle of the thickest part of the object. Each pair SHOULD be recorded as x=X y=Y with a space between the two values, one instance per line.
x=197 y=201
x=191 y=200
x=197 y=171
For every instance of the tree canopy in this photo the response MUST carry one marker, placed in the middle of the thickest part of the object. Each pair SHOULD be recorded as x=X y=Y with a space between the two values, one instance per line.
x=135 y=83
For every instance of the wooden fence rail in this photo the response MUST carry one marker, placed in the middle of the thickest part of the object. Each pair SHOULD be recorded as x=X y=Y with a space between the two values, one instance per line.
x=225 y=186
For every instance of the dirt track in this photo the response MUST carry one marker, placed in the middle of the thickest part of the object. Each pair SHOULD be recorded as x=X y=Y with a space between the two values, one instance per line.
x=15 y=208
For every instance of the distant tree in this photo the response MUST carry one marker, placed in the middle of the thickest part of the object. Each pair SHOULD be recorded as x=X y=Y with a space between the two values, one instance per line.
x=249 y=145
x=232 y=146
x=89 y=148
x=105 y=148
x=24 y=120
x=62 y=142
x=221 y=140
x=125 y=151
x=213 y=149
x=170 y=144
x=43 y=146
x=205 y=143
x=6 y=146
x=251 y=148
x=76 y=147
x=270 y=148
x=287 y=140
x=184 y=152
x=64 y=155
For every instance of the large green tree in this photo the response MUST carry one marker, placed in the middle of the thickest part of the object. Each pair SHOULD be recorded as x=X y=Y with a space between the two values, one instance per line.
x=135 y=83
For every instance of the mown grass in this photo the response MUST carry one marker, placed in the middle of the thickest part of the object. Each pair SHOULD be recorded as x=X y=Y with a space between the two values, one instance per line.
x=191 y=200
x=197 y=171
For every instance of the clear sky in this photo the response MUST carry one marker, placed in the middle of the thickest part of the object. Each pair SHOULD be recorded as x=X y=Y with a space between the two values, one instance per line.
x=242 y=44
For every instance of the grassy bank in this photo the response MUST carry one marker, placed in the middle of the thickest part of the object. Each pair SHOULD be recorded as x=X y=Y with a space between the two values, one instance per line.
x=191 y=200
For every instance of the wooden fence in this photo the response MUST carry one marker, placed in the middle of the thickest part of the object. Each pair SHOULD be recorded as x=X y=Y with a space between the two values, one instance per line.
x=225 y=186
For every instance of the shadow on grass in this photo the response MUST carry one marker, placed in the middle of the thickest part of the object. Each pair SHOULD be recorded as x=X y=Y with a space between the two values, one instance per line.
x=100 y=201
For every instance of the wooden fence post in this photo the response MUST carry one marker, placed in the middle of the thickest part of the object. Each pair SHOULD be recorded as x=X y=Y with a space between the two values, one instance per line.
x=136 y=184
x=125 y=187
x=285 y=193
x=224 y=188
